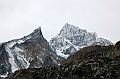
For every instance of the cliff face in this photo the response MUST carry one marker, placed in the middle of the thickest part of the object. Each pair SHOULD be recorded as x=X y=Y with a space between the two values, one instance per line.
x=93 y=62
x=71 y=39
x=32 y=51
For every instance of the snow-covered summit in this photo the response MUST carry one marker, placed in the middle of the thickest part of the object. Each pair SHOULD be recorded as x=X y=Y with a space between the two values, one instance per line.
x=71 y=38
x=69 y=30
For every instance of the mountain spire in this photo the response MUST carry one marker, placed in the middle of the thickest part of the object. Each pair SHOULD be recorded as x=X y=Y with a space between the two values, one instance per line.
x=37 y=32
x=68 y=29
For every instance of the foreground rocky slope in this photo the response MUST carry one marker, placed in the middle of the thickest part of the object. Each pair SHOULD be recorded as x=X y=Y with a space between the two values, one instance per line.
x=71 y=39
x=94 y=62
x=32 y=51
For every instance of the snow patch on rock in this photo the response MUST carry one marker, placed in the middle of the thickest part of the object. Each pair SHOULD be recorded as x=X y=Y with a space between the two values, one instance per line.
x=14 y=67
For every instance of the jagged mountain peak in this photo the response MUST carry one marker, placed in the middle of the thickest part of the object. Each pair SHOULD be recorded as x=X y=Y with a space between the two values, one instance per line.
x=38 y=29
x=31 y=51
x=37 y=32
x=71 y=38
x=69 y=26
x=70 y=30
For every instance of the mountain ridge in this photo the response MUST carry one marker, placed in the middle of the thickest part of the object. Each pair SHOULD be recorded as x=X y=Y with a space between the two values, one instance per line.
x=34 y=51
x=31 y=51
x=71 y=39
x=92 y=62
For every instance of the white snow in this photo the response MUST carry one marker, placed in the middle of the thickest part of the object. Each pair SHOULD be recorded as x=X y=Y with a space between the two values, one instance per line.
x=18 y=49
x=12 y=43
x=71 y=35
x=5 y=75
x=21 y=57
x=43 y=48
x=14 y=67
x=64 y=47
x=77 y=47
x=41 y=60
x=61 y=54
x=54 y=60
x=20 y=41
x=23 y=61
x=59 y=64
x=69 y=30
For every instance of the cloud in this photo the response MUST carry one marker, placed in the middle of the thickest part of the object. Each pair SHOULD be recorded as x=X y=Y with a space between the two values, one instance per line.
x=20 y=17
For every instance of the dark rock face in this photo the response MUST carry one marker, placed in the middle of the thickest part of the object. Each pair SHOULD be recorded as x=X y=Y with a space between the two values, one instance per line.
x=71 y=39
x=100 y=61
x=4 y=67
x=32 y=51
x=118 y=45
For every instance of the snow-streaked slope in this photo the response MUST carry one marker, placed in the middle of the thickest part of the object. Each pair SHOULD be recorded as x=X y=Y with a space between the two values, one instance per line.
x=32 y=51
x=14 y=67
x=71 y=39
x=13 y=51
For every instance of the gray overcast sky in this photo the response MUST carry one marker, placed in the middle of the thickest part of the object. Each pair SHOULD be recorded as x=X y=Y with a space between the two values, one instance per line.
x=20 y=17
